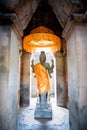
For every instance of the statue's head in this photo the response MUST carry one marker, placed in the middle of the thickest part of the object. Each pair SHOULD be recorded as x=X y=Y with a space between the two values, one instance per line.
x=42 y=57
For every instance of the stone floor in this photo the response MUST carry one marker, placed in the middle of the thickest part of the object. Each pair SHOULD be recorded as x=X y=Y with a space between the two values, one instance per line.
x=59 y=120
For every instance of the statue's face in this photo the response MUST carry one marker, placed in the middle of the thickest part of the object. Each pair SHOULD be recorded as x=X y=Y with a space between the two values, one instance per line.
x=42 y=57
x=42 y=60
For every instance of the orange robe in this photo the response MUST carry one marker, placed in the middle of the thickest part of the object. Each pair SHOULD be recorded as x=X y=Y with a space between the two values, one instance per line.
x=42 y=77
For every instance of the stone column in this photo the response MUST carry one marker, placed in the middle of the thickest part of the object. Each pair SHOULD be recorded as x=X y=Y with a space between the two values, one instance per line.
x=25 y=80
x=75 y=33
x=60 y=78
x=10 y=40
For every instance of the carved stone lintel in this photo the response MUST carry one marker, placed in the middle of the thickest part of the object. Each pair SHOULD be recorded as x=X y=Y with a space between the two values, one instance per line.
x=73 y=20
x=79 y=18
x=11 y=18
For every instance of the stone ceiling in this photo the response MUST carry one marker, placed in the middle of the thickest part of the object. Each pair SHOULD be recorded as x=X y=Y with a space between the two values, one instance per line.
x=26 y=8
x=44 y=16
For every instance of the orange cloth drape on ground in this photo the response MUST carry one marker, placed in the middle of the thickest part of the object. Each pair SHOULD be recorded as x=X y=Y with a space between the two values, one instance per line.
x=42 y=77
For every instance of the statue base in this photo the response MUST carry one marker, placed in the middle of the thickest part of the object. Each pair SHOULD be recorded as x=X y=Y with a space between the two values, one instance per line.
x=43 y=112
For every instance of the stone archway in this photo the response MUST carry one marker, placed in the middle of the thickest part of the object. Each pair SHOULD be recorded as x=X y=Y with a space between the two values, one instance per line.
x=43 y=38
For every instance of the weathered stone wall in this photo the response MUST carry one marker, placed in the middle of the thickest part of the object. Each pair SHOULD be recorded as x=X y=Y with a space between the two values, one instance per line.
x=76 y=37
x=14 y=77
x=25 y=80
x=73 y=82
x=9 y=77
x=62 y=9
x=4 y=73
x=81 y=45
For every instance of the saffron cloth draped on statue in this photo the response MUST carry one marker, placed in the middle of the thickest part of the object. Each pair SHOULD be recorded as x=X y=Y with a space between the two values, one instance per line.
x=42 y=77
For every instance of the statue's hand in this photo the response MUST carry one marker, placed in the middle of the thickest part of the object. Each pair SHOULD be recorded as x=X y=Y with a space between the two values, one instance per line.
x=52 y=61
x=52 y=66
x=32 y=61
x=50 y=76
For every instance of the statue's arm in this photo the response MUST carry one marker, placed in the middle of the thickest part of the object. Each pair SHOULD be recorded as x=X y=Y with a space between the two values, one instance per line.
x=49 y=73
x=50 y=68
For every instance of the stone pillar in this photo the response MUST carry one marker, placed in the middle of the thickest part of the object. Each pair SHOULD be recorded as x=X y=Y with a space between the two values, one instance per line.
x=75 y=33
x=60 y=78
x=10 y=40
x=25 y=80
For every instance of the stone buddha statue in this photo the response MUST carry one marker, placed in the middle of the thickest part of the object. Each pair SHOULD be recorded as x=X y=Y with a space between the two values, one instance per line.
x=43 y=71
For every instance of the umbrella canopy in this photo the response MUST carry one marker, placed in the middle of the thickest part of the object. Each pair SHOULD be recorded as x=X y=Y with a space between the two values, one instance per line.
x=41 y=38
